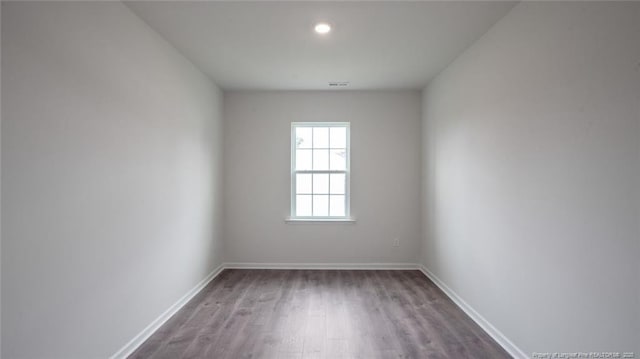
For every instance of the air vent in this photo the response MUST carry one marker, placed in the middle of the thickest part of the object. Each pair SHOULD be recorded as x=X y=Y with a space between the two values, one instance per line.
x=339 y=84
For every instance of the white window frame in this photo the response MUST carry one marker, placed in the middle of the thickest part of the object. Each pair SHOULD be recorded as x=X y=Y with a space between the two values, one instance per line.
x=347 y=210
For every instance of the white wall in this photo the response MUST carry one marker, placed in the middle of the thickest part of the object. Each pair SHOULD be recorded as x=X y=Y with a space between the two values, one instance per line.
x=0 y=196
x=385 y=182
x=111 y=156
x=531 y=172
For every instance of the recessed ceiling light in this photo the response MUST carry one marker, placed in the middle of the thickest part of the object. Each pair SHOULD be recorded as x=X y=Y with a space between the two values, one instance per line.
x=322 y=28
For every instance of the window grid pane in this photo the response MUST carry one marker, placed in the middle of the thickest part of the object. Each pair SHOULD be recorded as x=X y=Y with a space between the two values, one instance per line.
x=338 y=137
x=320 y=160
x=304 y=137
x=304 y=205
x=321 y=205
x=304 y=160
x=320 y=137
x=336 y=205
x=337 y=183
x=304 y=183
x=338 y=159
x=320 y=183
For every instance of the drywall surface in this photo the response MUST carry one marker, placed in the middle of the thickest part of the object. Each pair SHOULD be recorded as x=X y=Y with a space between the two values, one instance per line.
x=0 y=196
x=385 y=177
x=531 y=170
x=111 y=151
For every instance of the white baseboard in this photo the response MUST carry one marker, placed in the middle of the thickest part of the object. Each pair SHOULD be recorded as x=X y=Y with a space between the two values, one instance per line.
x=134 y=343
x=497 y=335
x=362 y=266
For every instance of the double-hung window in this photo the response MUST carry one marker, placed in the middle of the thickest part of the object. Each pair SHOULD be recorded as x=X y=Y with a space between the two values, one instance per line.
x=320 y=170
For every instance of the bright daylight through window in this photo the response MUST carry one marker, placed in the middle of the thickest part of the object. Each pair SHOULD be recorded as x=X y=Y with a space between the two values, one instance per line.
x=320 y=170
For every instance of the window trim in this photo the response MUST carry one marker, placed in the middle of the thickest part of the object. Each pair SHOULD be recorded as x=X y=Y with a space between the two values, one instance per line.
x=347 y=191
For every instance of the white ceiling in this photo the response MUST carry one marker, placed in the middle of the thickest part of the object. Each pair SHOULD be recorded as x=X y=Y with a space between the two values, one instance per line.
x=271 y=45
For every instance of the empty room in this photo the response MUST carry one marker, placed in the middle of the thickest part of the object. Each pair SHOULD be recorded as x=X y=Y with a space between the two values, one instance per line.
x=320 y=179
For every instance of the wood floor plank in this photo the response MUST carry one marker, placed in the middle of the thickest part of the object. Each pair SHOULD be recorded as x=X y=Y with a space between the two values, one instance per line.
x=203 y=303
x=227 y=316
x=313 y=314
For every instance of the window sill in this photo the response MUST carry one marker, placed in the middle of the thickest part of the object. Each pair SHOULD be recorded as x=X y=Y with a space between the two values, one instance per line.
x=319 y=220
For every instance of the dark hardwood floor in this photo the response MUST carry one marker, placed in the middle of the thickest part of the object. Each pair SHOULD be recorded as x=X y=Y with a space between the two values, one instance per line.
x=320 y=314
